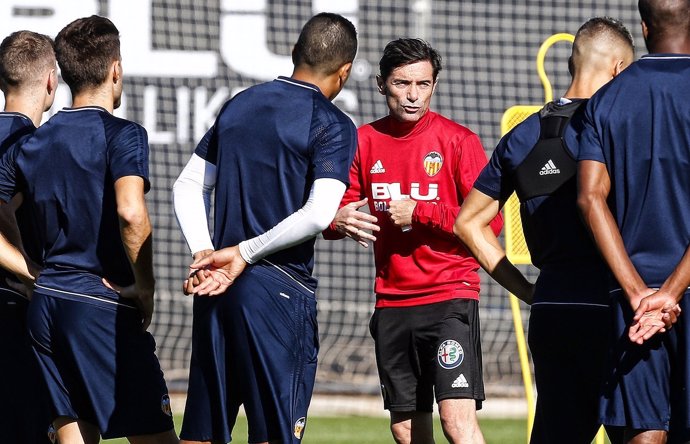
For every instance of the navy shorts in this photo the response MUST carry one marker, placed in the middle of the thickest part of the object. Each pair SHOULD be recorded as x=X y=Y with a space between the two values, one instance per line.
x=569 y=363
x=255 y=345
x=428 y=349
x=646 y=385
x=99 y=365
x=26 y=418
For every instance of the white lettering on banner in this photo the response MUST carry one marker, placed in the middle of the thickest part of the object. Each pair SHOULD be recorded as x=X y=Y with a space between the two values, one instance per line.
x=44 y=16
x=243 y=36
x=133 y=17
x=243 y=48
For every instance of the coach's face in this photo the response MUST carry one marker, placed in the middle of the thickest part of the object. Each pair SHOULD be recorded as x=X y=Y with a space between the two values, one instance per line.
x=408 y=90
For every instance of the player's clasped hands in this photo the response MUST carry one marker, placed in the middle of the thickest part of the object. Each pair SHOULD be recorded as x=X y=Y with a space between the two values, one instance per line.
x=655 y=313
x=353 y=223
x=212 y=273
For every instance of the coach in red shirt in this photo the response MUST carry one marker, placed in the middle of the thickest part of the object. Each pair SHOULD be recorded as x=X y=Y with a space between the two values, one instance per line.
x=413 y=168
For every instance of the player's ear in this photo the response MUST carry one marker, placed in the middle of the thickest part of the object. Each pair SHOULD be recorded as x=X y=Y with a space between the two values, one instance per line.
x=381 y=83
x=344 y=73
x=116 y=71
x=645 y=30
x=618 y=67
x=433 y=90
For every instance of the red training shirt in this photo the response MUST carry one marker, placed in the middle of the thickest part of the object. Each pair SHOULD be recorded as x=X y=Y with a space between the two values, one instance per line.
x=435 y=163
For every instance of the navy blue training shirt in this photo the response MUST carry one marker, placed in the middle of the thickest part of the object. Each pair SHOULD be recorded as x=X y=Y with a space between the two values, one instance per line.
x=572 y=270
x=67 y=170
x=13 y=127
x=269 y=144
x=639 y=126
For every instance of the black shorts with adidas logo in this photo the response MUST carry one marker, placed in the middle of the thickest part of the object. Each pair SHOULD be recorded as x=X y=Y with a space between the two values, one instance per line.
x=428 y=349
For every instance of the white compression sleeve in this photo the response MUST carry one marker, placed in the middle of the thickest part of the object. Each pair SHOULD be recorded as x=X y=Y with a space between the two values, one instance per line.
x=192 y=201
x=305 y=223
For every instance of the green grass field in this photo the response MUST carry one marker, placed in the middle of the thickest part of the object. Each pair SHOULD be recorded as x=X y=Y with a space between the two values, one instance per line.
x=362 y=430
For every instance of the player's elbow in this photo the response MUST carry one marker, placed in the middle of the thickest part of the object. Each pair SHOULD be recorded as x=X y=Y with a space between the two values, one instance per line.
x=461 y=228
x=133 y=214
x=587 y=200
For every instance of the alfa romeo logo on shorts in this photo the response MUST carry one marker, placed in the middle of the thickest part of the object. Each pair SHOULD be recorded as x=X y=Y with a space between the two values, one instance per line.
x=450 y=354
x=165 y=405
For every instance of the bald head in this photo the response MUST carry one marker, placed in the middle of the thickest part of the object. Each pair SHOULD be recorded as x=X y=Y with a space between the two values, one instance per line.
x=601 y=43
x=665 y=23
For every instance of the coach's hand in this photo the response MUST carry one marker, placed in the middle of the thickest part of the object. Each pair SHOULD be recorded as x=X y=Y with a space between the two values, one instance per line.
x=352 y=223
x=655 y=313
x=218 y=271
x=142 y=297
x=401 y=212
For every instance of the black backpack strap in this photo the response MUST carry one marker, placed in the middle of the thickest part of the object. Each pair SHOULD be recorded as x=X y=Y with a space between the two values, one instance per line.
x=549 y=164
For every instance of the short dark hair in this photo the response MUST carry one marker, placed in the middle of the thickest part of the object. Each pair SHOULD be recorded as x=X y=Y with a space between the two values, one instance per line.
x=85 y=50
x=608 y=25
x=24 y=55
x=664 y=18
x=403 y=52
x=327 y=42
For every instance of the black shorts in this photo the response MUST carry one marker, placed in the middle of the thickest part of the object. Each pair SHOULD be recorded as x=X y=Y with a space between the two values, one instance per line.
x=428 y=349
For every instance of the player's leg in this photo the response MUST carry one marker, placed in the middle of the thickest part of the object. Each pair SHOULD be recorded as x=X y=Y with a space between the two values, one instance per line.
x=168 y=437
x=407 y=393
x=637 y=390
x=412 y=427
x=211 y=407
x=99 y=365
x=457 y=366
x=459 y=421
x=272 y=356
x=645 y=436
x=26 y=419
x=75 y=431
x=569 y=364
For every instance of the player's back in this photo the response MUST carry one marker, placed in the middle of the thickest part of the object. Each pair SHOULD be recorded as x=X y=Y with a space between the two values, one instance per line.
x=643 y=122
x=69 y=167
x=271 y=142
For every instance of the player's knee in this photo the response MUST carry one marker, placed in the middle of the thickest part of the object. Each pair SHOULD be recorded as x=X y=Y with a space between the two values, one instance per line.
x=402 y=432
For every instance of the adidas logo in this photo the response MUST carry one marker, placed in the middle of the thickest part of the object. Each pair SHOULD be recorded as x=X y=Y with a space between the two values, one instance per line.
x=377 y=168
x=549 y=168
x=460 y=381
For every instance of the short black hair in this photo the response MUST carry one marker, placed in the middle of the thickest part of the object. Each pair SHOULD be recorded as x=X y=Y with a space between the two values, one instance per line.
x=664 y=18
x=85 y=50
x=24 y=55
x=327 y=42
x=403 y=52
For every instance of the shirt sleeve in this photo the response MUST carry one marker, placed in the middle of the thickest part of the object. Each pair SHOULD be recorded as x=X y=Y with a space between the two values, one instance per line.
x=590 y=147
x=9 y=183
x=352 y=194
x=192 y=202
x=129 y=154
x=207 y=148
x=334 y=141
x=300 y=226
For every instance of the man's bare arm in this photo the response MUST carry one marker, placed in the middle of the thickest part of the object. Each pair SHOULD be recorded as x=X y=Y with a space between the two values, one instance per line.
x=135 y=229
x=594 y=185
x=473 y=228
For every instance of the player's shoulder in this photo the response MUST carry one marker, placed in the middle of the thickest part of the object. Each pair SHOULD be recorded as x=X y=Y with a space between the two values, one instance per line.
x=120 y=128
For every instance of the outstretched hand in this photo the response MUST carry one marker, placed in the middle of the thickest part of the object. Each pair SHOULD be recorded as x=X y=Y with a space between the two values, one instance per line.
x=352 y=223
x=215 y=272
x=655 y=313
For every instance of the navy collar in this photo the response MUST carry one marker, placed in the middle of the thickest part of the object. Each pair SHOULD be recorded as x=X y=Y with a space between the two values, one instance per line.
x=299 y=83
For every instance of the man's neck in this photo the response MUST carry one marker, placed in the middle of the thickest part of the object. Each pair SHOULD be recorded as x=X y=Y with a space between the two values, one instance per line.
x=94 y=97
x=31 y=107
